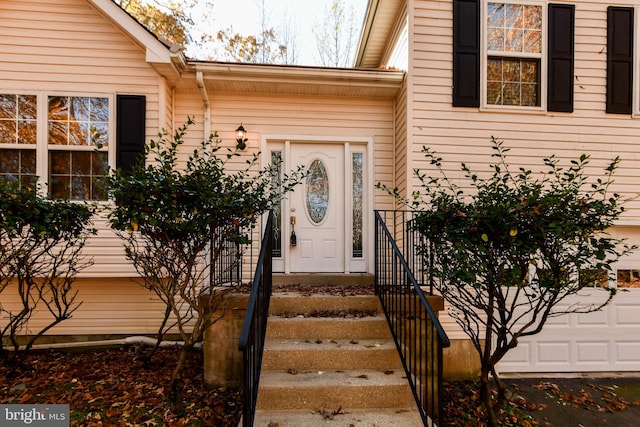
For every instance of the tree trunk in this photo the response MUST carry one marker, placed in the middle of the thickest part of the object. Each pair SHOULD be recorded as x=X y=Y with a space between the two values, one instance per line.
x=176 y=399
x=502 y=388
x=487 y=398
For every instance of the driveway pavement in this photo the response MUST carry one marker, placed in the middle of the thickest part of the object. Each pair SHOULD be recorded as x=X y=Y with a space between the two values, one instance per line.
x=581 y=402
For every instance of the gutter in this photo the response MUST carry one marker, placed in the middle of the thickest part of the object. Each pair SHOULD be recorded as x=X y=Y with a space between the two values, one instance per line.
x=207 y=105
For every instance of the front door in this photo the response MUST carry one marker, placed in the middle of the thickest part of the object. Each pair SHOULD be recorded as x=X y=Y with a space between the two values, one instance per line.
x=316 y=210
x=324 y=212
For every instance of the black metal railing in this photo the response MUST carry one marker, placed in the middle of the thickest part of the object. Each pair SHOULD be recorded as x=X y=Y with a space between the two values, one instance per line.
x=254 y=327
x=225 y=259
x=418 y=334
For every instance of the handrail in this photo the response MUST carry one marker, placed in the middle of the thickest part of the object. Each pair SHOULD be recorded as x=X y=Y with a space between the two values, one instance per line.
x=252 y=337
x=415 y=327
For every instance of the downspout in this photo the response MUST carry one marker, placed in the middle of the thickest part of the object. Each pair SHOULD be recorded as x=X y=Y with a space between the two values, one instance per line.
x=207 y=105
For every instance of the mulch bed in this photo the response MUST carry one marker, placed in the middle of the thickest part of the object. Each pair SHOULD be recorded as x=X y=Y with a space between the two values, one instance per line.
x=113 y=387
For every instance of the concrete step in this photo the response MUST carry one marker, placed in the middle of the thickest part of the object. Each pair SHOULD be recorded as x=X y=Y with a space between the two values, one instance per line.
x=314 y=328
x=284 y=354
x=283 y=302
x=352 y=389
x=322 y=418
x=323 y=279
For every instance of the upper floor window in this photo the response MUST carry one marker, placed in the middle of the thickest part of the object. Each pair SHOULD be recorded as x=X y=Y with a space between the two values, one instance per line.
x=73 y=151
x=514 y=54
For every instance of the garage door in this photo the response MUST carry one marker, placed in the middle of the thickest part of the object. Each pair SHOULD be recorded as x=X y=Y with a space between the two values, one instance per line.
x=603 y=341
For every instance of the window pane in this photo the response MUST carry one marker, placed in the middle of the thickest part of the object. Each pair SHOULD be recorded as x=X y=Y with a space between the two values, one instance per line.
x=514 y=28
x=77 y=175
x=79 y=109
x=495 y=15
x=58 y=108
x=80 y=121
x=8 y=107
x=79 y=133
x=99 y=134
x=58 y=133
x=60 y=162
x=7 y=132
x=18 y=165
x=17 y=119
x=533 y=41
x=27 y=107
x=99 y=110
x=506 y=80
x=9 y=162
x=628 y=279
x=27 y=132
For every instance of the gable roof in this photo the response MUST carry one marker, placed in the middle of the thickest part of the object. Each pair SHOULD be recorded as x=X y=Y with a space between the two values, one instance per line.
x=164 y=57
x=378 y=33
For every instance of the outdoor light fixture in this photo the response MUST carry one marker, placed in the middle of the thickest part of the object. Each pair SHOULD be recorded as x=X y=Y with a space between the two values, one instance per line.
x=241 y=137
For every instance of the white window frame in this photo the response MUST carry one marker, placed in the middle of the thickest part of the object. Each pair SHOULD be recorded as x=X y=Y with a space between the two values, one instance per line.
x=485 y=54
x=42 y=145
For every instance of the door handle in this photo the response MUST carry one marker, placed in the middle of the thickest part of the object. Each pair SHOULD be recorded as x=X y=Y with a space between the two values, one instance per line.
x=293 y=239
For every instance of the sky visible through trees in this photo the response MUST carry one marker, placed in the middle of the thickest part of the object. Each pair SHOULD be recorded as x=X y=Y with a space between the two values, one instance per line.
x=293 y=23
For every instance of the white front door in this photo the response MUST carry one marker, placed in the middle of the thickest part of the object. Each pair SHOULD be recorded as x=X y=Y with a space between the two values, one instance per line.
x=324 y=212
x=318 y=208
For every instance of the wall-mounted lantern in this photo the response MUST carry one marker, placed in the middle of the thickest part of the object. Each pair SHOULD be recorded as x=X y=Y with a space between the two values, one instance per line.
x=241 y=137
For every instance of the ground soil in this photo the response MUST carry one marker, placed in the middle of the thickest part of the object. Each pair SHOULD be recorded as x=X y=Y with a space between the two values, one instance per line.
x=113 y=387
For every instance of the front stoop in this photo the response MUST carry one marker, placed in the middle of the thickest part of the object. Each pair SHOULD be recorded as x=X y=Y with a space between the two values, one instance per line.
x=331 y=361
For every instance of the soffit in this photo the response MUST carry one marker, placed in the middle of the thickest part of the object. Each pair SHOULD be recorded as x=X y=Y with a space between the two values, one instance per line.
x=380 y=20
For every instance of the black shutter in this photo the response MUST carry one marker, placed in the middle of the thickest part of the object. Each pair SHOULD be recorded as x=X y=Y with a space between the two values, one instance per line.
x=561 y=53
x=619 y=59
x=130 y=130
x=466 y=53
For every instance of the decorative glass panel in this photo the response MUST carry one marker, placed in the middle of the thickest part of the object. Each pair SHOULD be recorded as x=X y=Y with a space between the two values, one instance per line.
x=276 y=162
x=357 y=204
x=317 y=191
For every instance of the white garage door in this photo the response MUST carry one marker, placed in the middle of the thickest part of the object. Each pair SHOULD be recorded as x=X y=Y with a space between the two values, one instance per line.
x=603 y=341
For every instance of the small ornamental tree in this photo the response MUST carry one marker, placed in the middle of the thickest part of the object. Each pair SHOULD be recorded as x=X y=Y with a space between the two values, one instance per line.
x=167 y=213
x=506 y=255
x=41 y=241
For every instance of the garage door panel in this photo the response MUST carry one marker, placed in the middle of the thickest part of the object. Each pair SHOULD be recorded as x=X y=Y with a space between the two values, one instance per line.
x=591 y=352
x=627 y=314
x=597 y=318
x=602 y=341
x=553 y=352
x=627 y=351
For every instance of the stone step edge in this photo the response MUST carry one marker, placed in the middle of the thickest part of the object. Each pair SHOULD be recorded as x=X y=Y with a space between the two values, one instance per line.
x=400 y=417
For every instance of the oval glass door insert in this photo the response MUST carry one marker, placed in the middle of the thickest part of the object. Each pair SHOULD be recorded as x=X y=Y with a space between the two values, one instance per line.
x=317 y=191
